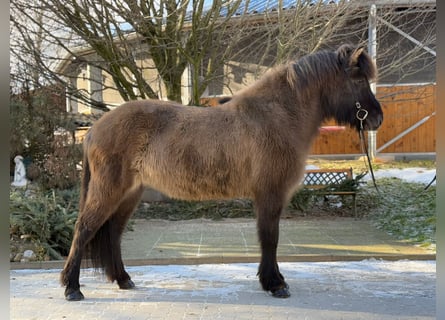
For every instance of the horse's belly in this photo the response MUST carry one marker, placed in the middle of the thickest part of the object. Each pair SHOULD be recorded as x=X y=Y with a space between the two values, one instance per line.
x=197 y=187
x=195 y=171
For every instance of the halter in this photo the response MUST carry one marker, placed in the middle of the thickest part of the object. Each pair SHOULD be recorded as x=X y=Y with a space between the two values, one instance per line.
x=361 y=115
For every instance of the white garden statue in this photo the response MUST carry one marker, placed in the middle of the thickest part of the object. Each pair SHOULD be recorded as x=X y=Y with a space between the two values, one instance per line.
x=19 y=173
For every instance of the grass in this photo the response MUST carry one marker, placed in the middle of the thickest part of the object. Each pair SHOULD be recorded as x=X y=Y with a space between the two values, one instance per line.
x=406 y=211
x=359 y=166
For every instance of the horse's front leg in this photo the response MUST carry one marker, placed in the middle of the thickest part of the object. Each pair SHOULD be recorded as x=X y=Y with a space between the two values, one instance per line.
x=268 y=220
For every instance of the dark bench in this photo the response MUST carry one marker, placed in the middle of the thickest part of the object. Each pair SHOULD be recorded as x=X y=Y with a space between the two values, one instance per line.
x=331 y=182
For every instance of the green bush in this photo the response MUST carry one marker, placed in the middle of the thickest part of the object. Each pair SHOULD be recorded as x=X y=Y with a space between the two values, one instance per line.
x=43 y=133
x=46 y=218
x=184 y=210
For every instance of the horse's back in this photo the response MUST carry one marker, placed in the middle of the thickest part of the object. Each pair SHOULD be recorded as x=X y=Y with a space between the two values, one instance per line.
x=194 y=152
x=184 y=152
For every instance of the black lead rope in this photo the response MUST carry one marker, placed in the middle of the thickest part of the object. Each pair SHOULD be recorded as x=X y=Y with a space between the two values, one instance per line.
x=429 y=184
x=361 y=116
x=364 y=146
x=363 y=143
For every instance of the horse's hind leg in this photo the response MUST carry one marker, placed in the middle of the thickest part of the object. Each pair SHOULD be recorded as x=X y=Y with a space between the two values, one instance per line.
x=94 y=213
x=268 y=219
x=84 y=230
x=113 y=264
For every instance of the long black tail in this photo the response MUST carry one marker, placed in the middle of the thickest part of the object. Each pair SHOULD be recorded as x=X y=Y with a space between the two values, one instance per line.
x=86 y=176
x=98 y=248
x=101 y=250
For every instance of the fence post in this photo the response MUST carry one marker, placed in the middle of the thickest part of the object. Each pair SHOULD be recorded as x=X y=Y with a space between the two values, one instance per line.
x=372 y=50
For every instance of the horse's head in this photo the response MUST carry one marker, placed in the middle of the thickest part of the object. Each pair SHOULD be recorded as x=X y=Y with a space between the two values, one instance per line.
x=363 y=111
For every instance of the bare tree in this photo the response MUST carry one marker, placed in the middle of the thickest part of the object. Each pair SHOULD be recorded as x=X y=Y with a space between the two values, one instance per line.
x=313 y=25
x=286 y=33
x=407 y=42
x=175 y=33
x=187 y=35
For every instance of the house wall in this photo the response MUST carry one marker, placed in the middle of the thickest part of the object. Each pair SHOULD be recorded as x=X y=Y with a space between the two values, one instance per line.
x=82 y=84
x=90 y=80
x=110 y=94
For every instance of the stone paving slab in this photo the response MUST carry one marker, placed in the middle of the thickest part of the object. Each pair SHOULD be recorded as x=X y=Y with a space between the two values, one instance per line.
x=369 y=289
x=235 y=240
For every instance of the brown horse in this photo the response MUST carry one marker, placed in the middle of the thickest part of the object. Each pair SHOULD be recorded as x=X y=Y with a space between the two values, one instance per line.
x=253 y=146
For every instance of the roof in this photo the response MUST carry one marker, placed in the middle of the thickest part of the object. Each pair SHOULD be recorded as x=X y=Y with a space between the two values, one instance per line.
x=253 y=7
x=264 y=6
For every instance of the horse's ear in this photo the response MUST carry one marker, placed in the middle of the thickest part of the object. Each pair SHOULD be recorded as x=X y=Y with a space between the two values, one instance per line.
x=344 y=54
x=349 y=55
x=362 y=62
x=354 y=60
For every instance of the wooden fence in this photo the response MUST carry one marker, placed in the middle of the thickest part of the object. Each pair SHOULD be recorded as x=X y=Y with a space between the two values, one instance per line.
x=408 y=127
x=408 y=107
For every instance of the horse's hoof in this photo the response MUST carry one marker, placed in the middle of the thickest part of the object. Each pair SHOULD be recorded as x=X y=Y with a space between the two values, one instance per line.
x=281 y=293
x=74 y=296
x=126 y=285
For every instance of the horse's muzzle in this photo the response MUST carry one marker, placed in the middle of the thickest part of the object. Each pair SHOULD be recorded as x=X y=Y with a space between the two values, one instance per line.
x=379 y=121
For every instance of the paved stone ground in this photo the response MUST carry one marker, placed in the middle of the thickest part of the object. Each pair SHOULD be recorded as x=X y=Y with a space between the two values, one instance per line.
x=235 y=240
x=187 y=270
x=369 y=289
x=153 y=242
